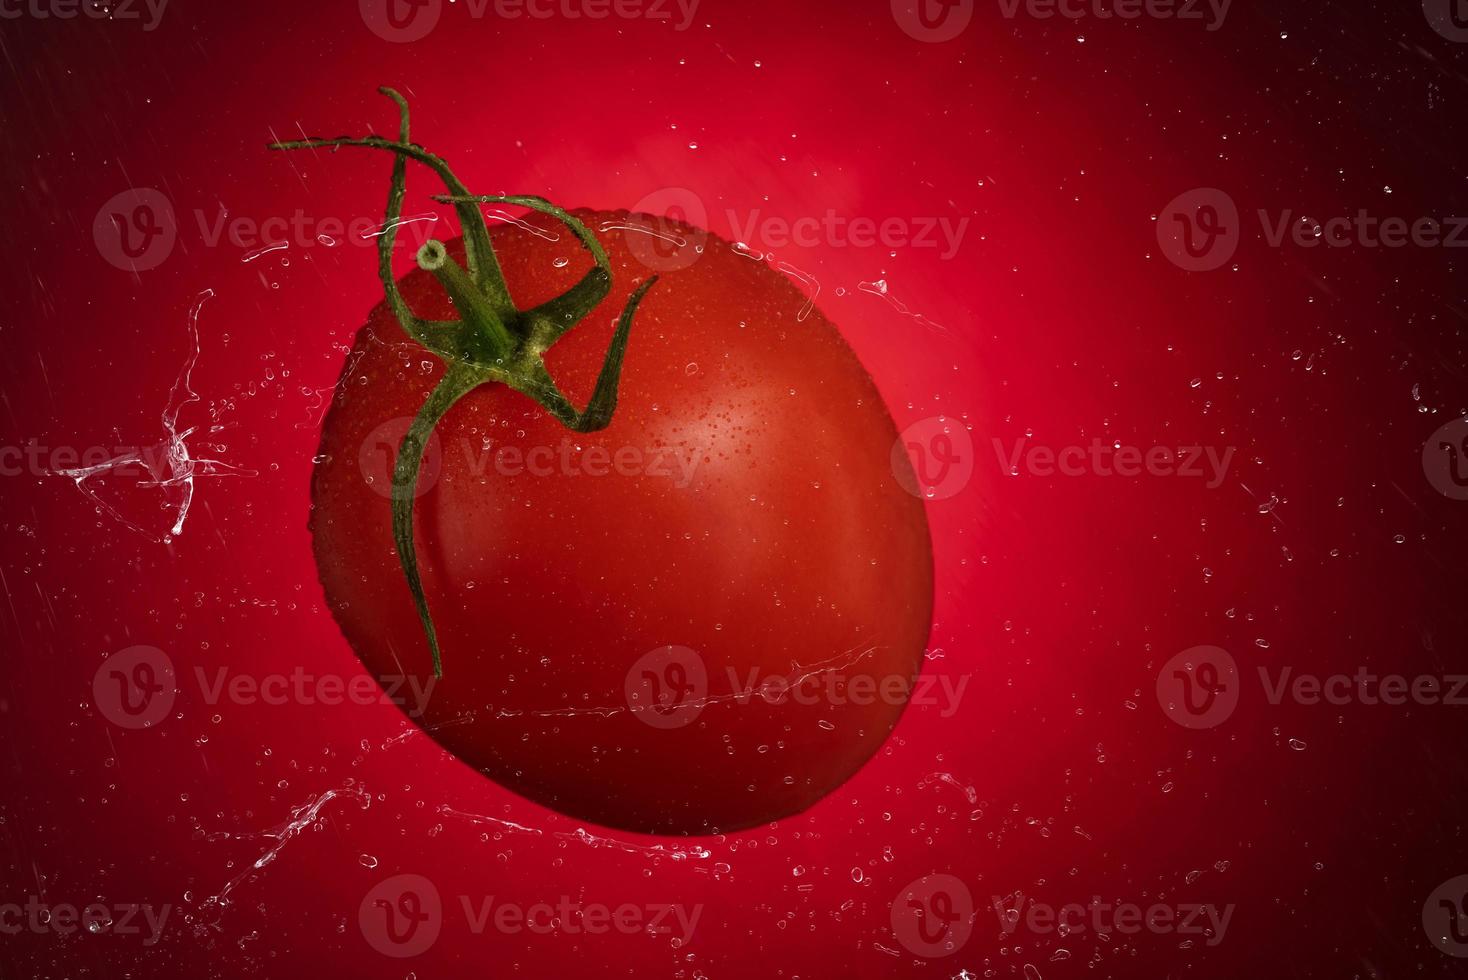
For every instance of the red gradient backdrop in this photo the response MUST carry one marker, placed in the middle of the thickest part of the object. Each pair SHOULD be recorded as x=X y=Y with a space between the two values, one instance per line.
x=1059 y=599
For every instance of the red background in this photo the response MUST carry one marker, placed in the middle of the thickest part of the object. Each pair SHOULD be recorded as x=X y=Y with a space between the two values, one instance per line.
x=1059 y=598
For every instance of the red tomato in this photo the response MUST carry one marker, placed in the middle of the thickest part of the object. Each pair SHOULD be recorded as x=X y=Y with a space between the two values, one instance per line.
x=620 y=612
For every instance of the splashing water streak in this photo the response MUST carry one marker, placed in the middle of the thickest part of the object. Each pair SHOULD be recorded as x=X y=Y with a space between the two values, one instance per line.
x=617 y=226
x=182 y=467
x=742 y=249
x=969 y=793
x=495 y=214
x=266 y=250
x=386 y=227
x=583 y=836
x=879 y=289
x=301 y=818
x=799 y=674
x=807 y=280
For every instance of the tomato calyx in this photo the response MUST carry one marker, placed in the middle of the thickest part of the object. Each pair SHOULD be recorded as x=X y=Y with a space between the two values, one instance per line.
x=493 y=341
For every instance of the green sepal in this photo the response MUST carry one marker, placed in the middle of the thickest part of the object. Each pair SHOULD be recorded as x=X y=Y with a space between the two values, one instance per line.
x=458 y=381
x=492 y=341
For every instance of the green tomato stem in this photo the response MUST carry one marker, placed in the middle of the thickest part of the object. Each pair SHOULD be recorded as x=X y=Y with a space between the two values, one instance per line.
x=492 y=341
x=485 y=329
x=456 y=383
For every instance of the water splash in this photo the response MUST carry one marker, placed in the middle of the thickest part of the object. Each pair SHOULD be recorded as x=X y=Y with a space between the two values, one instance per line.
x=878 y=288
x=807 y=280
x=799 y=674
x=744 y=250
x=264 y=250
x=495 y=214
x=301 y=818
x=408 y=733
x=677 y=240
x=582 y=836
x=811 y=284
x=170 y=466
x=947 y=778
x=445 y=810
x=383 y=229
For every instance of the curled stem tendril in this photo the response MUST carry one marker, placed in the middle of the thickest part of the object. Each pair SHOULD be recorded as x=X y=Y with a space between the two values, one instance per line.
x=493 y=341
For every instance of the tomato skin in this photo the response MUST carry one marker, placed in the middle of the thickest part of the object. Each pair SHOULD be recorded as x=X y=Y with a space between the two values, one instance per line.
x=781 y=542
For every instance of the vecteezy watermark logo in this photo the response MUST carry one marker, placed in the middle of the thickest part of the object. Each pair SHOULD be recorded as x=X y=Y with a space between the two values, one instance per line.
x=410 y=693
x=571 y=460
x=1445 y=459
x=401 y=916
x=1364 y=687
x=1445 y=917
x=135 y=229
x=379 y=453
x=122 y=10
x=655 y=240
x=933 y=459
x=1199 y=231
x=667 y=687
x=1104 y=918
x=1114 y=459
x=943 y=20
x=666 y=231
x=126 y=462
x=402 y=21
x=1362 y=230
x=933 y=916
x=933 y=20
x=1448 y=17
x=835 y=686
x=759 y=231
x=1121 y=10
x=299 y=229
x=1199 y=688
x=118 y=919
x=134 y=688
x=575 y=918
